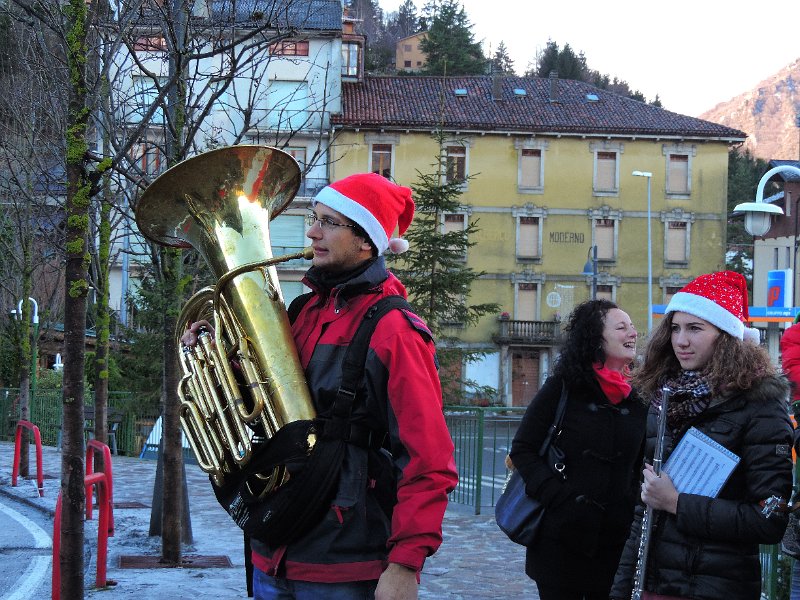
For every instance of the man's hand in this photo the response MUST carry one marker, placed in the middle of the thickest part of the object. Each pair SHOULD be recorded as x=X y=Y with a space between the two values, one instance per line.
x=397 y=583
x=658 y=491
x=189 y=337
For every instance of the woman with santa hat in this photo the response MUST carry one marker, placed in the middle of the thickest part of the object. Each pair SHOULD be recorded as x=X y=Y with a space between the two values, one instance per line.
x=722 y=383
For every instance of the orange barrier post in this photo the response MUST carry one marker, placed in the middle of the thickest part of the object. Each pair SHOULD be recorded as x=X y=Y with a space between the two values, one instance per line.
x=17 y=447
x=98 y=479
x=92 y=448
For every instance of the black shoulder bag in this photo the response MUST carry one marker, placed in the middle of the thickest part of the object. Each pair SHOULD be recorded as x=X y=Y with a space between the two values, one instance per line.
x=516 y=513
x=295 y=507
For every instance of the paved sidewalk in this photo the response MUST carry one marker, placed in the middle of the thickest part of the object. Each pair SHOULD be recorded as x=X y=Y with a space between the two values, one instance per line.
x=475 y=562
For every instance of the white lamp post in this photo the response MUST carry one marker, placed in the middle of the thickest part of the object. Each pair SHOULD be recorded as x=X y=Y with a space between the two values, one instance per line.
x=649 y=177
x=34 y=345
x=758 y=214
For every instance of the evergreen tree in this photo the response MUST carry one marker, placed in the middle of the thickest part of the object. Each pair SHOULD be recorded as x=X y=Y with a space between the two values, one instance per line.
x=502 y=62
x=449 y=45
x=434 y=272
x=569 y=65
x=564 y=61
x=744 y=173
x=405 y=22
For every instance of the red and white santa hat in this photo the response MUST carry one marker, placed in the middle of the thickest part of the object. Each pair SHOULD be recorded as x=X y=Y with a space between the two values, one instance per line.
x=376 y=204
x=719 y=298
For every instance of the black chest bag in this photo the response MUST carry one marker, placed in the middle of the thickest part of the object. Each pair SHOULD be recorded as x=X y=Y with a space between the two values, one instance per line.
x=295 y=507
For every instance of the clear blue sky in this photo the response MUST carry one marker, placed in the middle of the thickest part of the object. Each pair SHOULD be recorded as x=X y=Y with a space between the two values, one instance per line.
x=693 y=54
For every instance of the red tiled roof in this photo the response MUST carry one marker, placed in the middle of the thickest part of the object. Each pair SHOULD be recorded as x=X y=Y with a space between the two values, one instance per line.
x=424 y=102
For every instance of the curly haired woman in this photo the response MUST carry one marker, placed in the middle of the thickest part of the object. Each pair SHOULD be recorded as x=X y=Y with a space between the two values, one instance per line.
x=589 y=504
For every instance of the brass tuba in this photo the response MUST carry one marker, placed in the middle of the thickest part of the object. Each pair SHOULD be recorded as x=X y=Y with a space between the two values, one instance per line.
x=220 y=203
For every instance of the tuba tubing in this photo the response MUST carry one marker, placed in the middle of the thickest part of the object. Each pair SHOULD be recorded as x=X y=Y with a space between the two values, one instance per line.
x=220 y=203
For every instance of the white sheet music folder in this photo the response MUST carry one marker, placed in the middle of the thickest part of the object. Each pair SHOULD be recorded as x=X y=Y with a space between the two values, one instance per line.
x=699 y=465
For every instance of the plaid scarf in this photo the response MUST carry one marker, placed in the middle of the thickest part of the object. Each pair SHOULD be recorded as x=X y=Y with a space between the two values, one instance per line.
x=690 y=396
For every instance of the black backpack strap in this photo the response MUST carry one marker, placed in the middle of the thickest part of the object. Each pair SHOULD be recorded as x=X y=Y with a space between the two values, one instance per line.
x=296 y=305
x=354 y=361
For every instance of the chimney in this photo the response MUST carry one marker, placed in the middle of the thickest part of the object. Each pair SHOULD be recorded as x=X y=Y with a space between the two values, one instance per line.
x=553 y=86
x=497 y=86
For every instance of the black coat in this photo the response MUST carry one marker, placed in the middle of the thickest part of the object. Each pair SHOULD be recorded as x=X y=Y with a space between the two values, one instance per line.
x=589 y=513
x=710 y=548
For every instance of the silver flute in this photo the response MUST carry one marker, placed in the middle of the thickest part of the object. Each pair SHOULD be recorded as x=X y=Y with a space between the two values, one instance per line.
x=647 y=518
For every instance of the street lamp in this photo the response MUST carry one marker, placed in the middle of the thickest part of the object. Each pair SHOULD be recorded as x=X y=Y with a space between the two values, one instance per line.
x=758 y=214
x=35 y=321
x=649 y=176
x=590 y=269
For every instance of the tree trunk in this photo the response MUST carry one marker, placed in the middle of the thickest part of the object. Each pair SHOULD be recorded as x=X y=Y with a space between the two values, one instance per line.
x=173 y=455
x=76 y=286
x=25 y=364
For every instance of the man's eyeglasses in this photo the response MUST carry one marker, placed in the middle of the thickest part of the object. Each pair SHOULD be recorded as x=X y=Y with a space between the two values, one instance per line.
x=324 y=222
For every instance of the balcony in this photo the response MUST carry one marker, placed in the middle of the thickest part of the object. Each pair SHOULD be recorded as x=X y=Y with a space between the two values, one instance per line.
x=528 y=333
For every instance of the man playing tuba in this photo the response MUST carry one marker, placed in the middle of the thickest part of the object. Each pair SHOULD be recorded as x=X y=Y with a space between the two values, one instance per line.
x=386 y=515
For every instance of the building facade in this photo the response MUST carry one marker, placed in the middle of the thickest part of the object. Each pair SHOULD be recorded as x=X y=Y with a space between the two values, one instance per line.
x=409 y=56
x=547 y=169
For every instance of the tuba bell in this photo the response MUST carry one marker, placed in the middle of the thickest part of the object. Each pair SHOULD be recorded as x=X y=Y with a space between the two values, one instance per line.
x=220 y=203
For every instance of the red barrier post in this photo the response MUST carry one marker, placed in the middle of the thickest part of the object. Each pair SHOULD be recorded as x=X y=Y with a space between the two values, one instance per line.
x=98 y=479
x=17 y=447
x=103 y=527
x=92 y=448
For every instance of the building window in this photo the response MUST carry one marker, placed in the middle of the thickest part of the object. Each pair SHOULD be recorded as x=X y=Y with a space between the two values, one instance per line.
x=526 y=302
x=677 y=242
x=678 y=179
x=669 y=292
x=145 y=94
x=299 y=154
x=289 y=48
x=147 y=158
x=288 y=103
x=456 y=164
x=454 y=223
x=528 y=237
x=604 y=292
x=530 y=169
x=150 y=44
x=350 y=59
x=407 y=63
x=407 y=47
x=605 y=172
x=287 y=234
x=381 y=160
x=604 y=230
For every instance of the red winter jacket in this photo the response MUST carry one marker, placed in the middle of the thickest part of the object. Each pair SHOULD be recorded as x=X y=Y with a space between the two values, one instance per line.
x=356 y=539
x=790 y=358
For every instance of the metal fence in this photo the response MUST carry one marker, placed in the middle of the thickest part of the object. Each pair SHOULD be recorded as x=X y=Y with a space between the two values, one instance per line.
x=45 y=413
x=482 y=438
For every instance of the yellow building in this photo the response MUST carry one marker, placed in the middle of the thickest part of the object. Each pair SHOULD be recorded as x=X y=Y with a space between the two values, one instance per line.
x=551 y=166
x=408 y=55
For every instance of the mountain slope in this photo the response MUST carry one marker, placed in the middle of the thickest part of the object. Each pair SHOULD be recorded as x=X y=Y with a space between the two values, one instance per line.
x=768 y=114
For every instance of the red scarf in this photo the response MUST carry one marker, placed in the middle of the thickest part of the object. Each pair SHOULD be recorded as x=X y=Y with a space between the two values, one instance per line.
x=613 y=383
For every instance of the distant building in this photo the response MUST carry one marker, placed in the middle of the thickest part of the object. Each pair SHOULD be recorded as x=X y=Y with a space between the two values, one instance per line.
x=552 y=164
x=409 y=57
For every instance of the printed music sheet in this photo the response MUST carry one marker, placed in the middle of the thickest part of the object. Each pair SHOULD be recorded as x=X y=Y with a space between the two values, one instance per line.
x=700 y=465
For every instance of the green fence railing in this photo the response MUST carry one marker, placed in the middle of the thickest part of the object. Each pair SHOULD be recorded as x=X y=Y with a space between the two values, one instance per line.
x=45 y=413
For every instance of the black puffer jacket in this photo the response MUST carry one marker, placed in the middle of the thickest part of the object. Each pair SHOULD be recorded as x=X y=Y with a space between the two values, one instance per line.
x=589 y=513
x=709 y=549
